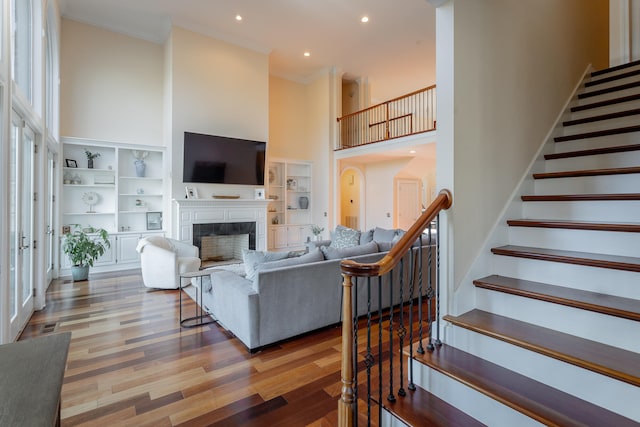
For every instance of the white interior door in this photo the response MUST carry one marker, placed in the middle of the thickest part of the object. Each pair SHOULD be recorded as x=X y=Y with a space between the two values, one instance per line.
x=409 y=203
x=21 y=226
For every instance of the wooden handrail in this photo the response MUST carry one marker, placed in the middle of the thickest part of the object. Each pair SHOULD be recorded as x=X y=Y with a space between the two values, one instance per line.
x=351 y=269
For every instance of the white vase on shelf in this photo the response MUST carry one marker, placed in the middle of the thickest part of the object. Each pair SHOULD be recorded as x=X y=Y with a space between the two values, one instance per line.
x=140 y=168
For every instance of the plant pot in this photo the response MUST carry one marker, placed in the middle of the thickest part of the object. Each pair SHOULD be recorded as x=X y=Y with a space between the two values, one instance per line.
x=90 y=164
x=79 y=273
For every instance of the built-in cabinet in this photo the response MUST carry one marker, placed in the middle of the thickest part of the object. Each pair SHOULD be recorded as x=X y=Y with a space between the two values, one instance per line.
x=289 y=212
x=122 y=191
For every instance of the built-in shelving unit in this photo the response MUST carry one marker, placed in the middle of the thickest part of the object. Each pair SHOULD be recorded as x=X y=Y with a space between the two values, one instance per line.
x=114 y=194
x=289 y=212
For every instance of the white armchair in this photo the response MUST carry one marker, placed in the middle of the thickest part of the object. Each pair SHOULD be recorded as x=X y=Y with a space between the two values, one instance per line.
x=163 y=260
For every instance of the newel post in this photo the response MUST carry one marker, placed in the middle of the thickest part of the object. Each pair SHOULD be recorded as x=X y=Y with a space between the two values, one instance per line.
x=347 y=397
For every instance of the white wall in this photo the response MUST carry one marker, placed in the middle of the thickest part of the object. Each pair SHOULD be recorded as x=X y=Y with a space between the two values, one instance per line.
x=379 y=179
x=216 y=88
x=110 y=86
x=288 y=120
x=508 y=80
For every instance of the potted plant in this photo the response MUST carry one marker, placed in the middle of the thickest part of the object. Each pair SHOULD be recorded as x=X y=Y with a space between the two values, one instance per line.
x=90 y=157
x=317 y=231
x=84 y=246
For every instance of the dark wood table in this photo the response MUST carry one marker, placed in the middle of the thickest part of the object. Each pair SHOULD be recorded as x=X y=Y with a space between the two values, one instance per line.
x=31 y=374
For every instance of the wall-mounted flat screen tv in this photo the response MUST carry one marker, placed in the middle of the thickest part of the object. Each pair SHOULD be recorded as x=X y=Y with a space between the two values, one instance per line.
x=215 y=159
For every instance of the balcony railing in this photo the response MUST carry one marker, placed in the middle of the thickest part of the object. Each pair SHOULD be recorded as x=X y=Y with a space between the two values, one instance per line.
x=406 y=115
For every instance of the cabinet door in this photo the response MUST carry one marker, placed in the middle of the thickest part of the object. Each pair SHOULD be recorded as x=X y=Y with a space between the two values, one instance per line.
x=127 y=248
x=294 y=236
x=108 y=257
x=280 y=237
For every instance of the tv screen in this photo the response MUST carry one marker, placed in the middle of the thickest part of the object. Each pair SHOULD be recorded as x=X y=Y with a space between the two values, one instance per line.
x=222 y=160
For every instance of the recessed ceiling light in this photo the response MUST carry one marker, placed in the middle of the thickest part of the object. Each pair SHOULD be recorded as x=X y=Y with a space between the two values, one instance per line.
x=238 y=18
x=307 y=54
x=364 y=19
x=412 y=152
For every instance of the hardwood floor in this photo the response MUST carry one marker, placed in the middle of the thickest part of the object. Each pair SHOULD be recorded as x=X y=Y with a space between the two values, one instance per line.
x=131 y=364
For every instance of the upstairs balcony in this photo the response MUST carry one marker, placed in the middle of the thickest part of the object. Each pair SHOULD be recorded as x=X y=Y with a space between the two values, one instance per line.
x=406 y=115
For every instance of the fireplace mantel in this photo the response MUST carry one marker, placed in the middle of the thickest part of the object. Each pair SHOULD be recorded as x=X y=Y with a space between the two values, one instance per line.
x=187 y=212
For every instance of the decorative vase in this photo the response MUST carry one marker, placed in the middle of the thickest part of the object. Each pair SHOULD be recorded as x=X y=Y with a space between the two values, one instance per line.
x=140 y=168
x=303 y=202
x=79 y=273
x=89 y=163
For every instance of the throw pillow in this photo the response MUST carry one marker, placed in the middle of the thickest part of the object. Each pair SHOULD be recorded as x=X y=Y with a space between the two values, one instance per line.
x=345 y=237
x=335 y=253
x=313 y=256
x=366 y=236
x=383 y=235
x=253 y=259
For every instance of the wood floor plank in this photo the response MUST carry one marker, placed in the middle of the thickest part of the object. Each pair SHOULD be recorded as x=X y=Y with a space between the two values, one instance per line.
x=131 y=364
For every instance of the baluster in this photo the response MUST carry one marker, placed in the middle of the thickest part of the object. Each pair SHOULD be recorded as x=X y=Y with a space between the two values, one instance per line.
x=379 y=348
x=420 y=349
x=437 y=314
x=412 y=272
x=347 y=395
x=368 y=359
x=402 y=331
x=391 y=397
x=430 y=293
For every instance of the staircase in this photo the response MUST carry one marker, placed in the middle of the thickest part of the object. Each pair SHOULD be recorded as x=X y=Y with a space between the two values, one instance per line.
x=554 y=338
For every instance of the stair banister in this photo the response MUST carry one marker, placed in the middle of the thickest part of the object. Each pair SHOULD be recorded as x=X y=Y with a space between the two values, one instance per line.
x=351 y=269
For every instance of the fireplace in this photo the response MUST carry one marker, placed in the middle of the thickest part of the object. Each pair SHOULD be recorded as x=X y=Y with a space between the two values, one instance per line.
x=223 y=242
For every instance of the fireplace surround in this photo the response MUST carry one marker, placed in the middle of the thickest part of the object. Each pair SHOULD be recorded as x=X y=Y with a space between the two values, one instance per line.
x=224 y=213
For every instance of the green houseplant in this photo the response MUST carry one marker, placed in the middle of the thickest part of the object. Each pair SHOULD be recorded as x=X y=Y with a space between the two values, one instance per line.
x=84 y=246
x=90 y=157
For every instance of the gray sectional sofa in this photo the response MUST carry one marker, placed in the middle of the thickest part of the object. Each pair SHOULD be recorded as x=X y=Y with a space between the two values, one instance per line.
x=290 y=296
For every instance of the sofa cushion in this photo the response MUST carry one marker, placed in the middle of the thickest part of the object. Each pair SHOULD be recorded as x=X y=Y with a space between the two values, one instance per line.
x=384 y=235
x=366 y=236
x=340 y=253
x=344 y=237
x=253 y=259
x=313 y=256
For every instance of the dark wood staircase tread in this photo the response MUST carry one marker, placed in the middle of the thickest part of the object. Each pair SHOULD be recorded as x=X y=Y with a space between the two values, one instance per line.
x=593 y=152
x=580 y=197
x=614 y=262
x=609 y=79
x=421 y=408
x=615 y=68
x=587 y=172
x=611 y=89
x=597 y=134
x=605 y=103
x=622 y=365
x=575 y=225
x=601 y=117
x=532 y=398
x=625 y=308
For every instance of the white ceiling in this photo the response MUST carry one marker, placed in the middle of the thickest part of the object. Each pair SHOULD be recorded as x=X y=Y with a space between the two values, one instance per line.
x=395 y=49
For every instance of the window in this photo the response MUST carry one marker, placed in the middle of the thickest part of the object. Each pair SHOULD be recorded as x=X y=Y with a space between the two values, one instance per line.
x=22 y=53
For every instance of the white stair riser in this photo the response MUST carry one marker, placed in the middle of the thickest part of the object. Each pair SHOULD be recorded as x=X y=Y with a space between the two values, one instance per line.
x=604 y=184
x=598 y=142
x=603 y=280
x=619 y=122
x=592 y=387
x=600 y=161
x=610 y=211
x=470 y=401
x=608 y=96
x=606 y=85
x=602 y=242
x=608 y=109
x=610 y=330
